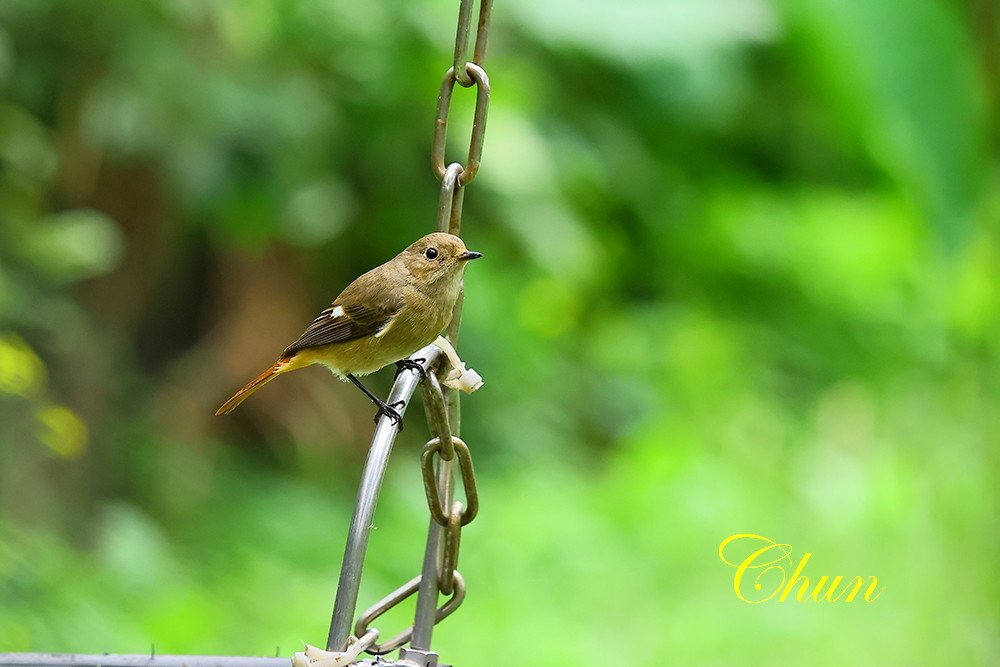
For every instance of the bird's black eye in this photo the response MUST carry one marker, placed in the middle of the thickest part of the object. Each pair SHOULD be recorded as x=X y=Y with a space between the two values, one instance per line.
x=431 y=253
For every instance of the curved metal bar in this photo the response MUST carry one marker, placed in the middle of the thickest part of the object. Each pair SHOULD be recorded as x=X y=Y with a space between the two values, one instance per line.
x=364 y=509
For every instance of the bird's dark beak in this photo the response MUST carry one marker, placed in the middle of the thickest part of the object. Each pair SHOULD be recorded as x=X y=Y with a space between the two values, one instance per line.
x=466 y=256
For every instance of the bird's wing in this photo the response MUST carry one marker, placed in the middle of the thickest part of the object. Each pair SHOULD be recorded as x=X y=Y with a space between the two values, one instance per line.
x=342 y=323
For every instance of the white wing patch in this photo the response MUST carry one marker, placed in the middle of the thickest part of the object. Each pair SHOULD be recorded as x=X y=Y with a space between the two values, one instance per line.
x=333 y=312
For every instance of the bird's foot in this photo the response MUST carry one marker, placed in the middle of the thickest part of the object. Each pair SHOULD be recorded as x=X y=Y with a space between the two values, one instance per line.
x=414 y=364
x=389 y=410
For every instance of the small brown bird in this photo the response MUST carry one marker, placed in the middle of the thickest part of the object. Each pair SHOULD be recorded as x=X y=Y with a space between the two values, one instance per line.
x=383 y=316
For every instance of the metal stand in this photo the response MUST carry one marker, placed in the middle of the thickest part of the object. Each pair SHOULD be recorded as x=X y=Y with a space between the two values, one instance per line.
x=371 y=481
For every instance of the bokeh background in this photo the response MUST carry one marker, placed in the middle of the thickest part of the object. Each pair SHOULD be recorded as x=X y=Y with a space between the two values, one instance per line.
x=742 y=276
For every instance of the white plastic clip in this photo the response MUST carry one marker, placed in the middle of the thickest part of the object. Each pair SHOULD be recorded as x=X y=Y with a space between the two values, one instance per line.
x=459 y=377
x=317 y=657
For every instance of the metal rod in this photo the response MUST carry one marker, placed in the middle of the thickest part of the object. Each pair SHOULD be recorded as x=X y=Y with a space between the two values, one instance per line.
x=128 y=660
x=364 y=510
x=427 y=594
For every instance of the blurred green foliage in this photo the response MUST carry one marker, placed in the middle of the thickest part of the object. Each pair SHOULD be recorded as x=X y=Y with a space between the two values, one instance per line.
x=742 y=276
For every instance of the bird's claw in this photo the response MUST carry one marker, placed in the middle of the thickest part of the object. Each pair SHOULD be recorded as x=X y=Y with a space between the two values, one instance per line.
x=389 y=410
x=413 y=364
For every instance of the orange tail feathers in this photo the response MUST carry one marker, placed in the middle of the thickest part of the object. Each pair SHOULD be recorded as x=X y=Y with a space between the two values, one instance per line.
x=279 y=367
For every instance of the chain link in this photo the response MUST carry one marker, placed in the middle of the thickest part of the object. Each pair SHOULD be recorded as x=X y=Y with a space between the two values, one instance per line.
x=449 y=557
x=482 y=83
x=462 y=37
x=467 y=74
x=450 y=202
x=397 y=597
x=437 y=508
x=462 y=42
x=436 y=409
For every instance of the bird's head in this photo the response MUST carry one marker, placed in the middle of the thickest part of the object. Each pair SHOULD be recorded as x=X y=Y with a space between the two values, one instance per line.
x=437 y=256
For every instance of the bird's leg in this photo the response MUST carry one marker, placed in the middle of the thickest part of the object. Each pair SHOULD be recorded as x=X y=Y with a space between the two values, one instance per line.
x=414 y=364
x=383 y=407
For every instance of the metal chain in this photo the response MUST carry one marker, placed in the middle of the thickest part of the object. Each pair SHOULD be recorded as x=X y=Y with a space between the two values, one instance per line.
x=442 y=408
x=448 y=516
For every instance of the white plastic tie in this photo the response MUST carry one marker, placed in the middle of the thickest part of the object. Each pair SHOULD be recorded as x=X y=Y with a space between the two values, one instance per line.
x=459 y=377
x=314 y=656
